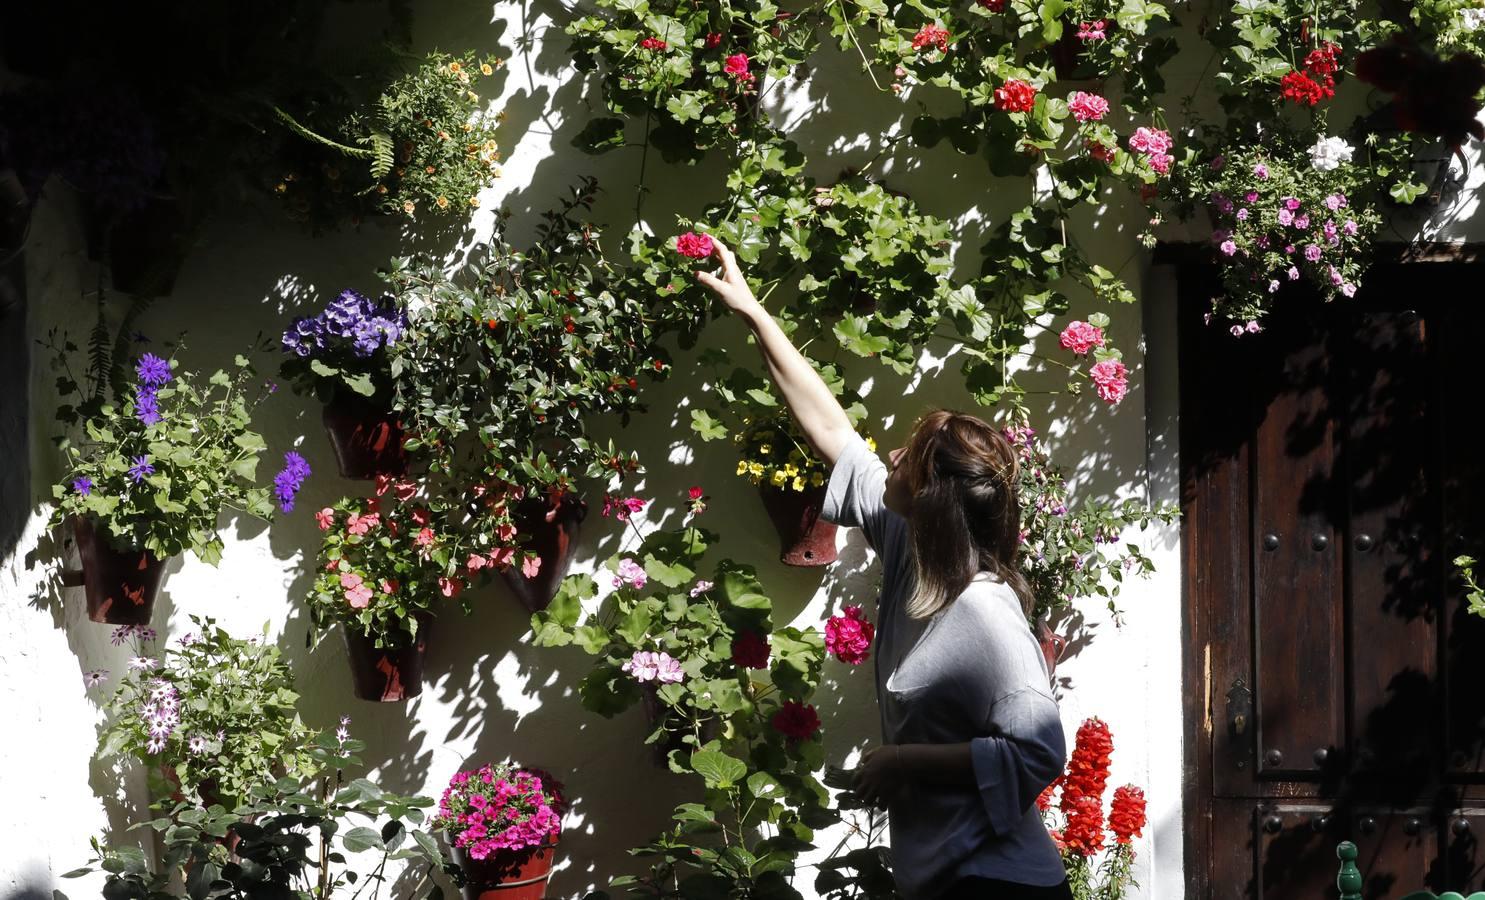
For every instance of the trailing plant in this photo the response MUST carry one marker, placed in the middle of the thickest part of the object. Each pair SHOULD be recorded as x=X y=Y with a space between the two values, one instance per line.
x=729 y=696
x=1284 y=213
x=344 y=347
x=291 y=840
x=1475 y=595
x=212 y=716
x=156 y=462
x=1069 y=553
x=1096 y=870
x=500 y=808
x=425 y=145
x=695 y=72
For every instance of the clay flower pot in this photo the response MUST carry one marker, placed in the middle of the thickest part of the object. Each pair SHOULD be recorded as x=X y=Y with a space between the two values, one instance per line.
x=121 y=585
x=805 y=539
x=551 y=532
x=508 y=874
x=367 y=439
x=388 y=674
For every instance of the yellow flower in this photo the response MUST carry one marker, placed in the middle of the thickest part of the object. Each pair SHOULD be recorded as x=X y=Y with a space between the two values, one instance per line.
x=473 y=97
x=486 y=70
x=495 y=172
x=742 y=467
x=779 y=478
x=281 y=187
x=454 y=68
x=817 y=479
x=443 y=203
x=798 y=484
x=791 y=470
x=467 y=127
x=871 y=445
x=474 y=201
x=490 y=145
x=755 y=469
x=765 y=449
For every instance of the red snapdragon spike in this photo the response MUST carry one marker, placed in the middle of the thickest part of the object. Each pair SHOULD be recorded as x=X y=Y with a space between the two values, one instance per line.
x=1127 y=814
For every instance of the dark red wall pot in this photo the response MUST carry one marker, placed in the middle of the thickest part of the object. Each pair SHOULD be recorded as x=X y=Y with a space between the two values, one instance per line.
x=551 y=533
x=366 y=438
x=121 y=585
x=387 y=674
x=507 y=875
x=805 y=539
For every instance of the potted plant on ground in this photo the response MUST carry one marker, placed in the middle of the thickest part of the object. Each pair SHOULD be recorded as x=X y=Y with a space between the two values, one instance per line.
x=502 y=823
x=340 y=355
x=323 y=840
x=213 y=716
x=151 y=465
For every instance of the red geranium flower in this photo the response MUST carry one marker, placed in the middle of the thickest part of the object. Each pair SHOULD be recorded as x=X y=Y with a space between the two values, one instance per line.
x=652 y=43
x=931 y=36
x=796 y=721
x=750 y=650
x=1015 y=96
x=1301 y=88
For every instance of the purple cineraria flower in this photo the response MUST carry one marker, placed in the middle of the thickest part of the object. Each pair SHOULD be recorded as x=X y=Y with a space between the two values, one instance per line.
x=153 y=371
x=147 y=406
x=343 y=732
x=141 y=468
x=1242 y=214
x=289 y=479
x=95 y=677
x=83 y=485
x=186 y=639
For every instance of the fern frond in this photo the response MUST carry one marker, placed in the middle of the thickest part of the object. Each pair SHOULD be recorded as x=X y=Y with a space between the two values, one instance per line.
x=99 y=357
x=385 y=154
x=293 y=125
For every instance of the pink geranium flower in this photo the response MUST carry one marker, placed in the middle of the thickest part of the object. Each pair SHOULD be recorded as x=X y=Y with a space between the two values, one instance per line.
x=736 y=65
x=630 y=573
x=1110 y=379
x=325 y=518
x=1087 y=107
x=530 y=565
x=696 y=246
x=1080 y=337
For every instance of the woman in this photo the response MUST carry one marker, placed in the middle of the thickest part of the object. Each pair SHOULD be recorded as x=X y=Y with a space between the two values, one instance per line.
x=971 y=732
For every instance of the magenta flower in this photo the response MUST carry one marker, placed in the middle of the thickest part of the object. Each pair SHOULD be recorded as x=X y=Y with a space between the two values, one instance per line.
x=1080 y=337
x=1228 y=247
x=696 y=246
x=1260 y=170
x=1286 y=217
x=1293 y=273
x=1087 y=107
x=848 y=638
x=1110 y=379
x=1291 y=203
x=1302 y=222
x=1312 y=253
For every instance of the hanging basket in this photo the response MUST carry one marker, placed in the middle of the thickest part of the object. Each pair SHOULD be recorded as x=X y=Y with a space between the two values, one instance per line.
x=366 y=438
x=805 y=539
x=120 y=585
x=388 y=674
x=507 y=874
x=551 y=533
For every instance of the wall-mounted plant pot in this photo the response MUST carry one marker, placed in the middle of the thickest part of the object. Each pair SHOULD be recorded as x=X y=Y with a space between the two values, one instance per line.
x=506 y=874
x=805 y=539
x=120 y=584
x=367 y=438
x=392 y=673
x=551 y=533
x=654 y=709
x=148 y=246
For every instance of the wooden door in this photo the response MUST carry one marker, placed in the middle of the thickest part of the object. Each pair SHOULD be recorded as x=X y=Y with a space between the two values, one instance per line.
x=1331 y=470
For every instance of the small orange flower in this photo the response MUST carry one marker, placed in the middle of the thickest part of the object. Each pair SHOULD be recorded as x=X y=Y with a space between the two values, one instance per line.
x=454 y=67
x=429 y=170
x=381 y=189
x=281 y=187
x=408 y=206
x=474 y=202
x=443 y=203
x=467 y=127
x=486 y=70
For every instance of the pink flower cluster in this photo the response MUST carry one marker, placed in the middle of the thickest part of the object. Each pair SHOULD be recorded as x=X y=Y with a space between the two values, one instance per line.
x=848 y=637
x=736 y=65
x=1080 y=337
x=500 y=808
x=696 y=246
x=1092 y=31
x=1110 y=380
x=1087 y=107
x=630 y=573
x=622 y=508
x=649 y=665
x=1155 y=144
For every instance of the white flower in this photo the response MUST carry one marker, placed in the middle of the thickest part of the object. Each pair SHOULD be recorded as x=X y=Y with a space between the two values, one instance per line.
x=1472 y=18
x=1329 y=153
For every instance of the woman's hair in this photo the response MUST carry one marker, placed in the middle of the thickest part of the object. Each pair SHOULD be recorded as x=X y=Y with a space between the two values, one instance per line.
x=965 y=518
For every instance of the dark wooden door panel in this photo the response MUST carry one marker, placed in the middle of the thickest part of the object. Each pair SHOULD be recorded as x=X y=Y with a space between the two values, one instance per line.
x=1465 y=860
x=1297 y=607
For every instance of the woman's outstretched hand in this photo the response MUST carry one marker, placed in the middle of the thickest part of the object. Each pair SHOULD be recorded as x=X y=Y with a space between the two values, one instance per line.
x=732 y=287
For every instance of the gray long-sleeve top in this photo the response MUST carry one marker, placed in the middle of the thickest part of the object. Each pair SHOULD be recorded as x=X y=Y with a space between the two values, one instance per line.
x=973 y=673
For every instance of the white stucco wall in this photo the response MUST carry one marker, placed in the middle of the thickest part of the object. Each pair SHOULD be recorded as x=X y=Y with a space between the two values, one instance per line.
x=490 y=694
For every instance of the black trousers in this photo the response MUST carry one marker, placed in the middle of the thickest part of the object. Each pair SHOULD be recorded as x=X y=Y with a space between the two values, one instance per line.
x=995 y=889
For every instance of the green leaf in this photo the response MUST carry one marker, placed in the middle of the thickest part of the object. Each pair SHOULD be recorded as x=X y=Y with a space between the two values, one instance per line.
x=362 y=838
x=764 y=785
x=320 y=368
x=720 y=770
x=706 y=425
x=361 y=384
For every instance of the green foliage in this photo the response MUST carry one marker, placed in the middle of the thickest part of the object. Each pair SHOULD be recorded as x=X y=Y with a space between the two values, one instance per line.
x=213 y=717
x=307 y=843
x=202 y=450
x=1474 y=595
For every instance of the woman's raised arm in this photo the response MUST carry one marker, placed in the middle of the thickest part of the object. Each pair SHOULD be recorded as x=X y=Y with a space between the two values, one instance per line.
x=818 y=413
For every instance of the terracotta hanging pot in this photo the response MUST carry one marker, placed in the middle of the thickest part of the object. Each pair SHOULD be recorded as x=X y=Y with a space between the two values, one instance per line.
x=121 y=585
x=551 y=533
x=392 y=673
x=506 y=874
x=805 y=539
x=366 y=438
x=148 y=246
